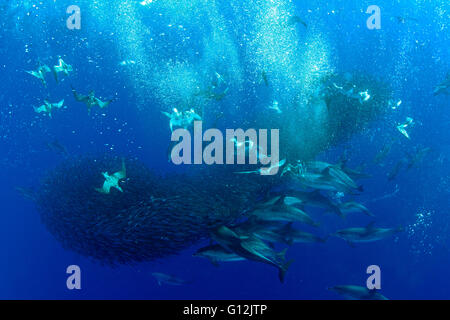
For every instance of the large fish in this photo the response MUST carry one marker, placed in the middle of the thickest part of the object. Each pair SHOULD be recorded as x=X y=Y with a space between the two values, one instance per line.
x=163 y=278
x=396 y=169
x=292 y=235
x=280 y=211
x=351 y=206
x=443 y=87
x=417 y=157
x=216 y=253
x=313 y=199
x=257 y=250
x=327 y=177
x=251 y=248
x=366 y=234
x=357 y=293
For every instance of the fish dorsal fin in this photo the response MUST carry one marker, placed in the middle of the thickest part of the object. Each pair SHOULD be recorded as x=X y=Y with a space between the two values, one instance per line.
x=288 y=226
x=214 y=262
x=326 y=171
x=370 y=225
x=280 y=201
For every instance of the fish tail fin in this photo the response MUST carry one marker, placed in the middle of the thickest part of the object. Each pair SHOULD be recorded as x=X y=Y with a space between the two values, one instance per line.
x=315 y=224
x=283 y=269
x=287 y=227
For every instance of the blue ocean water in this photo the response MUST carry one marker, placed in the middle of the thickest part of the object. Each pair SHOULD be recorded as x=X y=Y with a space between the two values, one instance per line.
x=410 y=55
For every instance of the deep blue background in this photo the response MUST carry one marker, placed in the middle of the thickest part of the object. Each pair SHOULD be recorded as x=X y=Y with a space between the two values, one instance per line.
x=414 y=264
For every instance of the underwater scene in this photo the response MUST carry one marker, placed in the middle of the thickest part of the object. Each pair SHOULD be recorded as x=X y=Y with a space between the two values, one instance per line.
x=211 y=149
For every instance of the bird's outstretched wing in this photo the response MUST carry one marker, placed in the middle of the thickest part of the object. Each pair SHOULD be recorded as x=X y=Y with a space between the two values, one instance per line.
x=79 y=97
x=34 y=74
x=45 y=68
x=40 y=109
x=105 y=189
x=122 y=174
x=59 y=105
x=102 y=104
x=166 y=114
